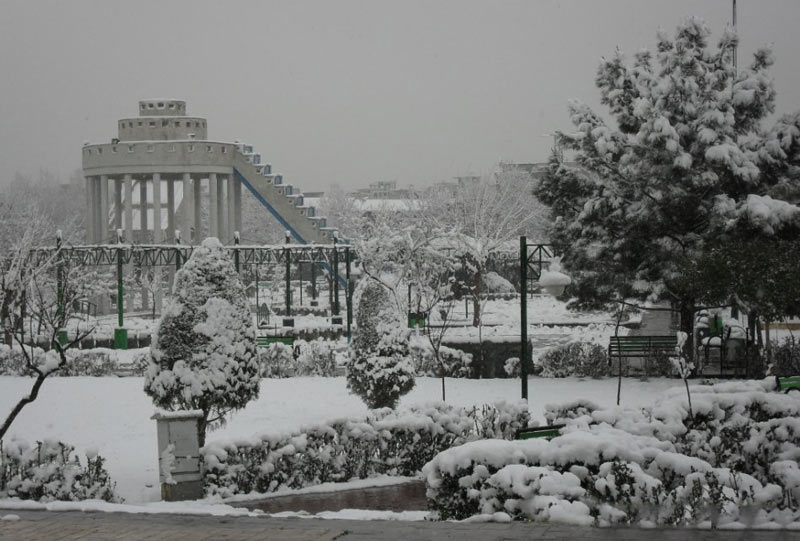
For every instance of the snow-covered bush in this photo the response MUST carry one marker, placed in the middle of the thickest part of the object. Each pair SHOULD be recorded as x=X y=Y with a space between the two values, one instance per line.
x=786 y=357
x=556 y=414
x=386 y=442
x=734 y=464
x=379 y=370
x=457 y=363
x=276 y=361
x=51 y=471
x=203 y=355
x=575 y=359
x=493 y=283
x=85 y=362
x=316 y=358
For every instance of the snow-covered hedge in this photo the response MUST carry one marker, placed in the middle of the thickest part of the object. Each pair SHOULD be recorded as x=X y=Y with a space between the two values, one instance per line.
x=786 y=357
x=733 y=465
x=575 y=359
x=457 y=363
x=315 y=358
x=276 y=361
x=84 y=362
x=386 y=442
x=51 y=471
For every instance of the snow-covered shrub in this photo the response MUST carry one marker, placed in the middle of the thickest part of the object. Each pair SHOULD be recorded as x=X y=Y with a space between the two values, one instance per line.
x=88 y=363
x=379 y=370
x=560 y=413
x=386 y=442
x=276 y=360
x=84 y=362
x=203 y=354
x=51 y=471
x=457 y=363
x=493 y=283
x=786 y=357
x=316 y=358
x=575 y=359
x=734 y=464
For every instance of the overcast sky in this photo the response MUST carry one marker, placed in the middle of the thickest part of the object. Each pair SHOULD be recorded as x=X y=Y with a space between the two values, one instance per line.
x=346 y=92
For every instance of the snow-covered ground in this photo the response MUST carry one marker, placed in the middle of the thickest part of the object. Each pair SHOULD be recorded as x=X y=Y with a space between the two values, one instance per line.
x=112 y=415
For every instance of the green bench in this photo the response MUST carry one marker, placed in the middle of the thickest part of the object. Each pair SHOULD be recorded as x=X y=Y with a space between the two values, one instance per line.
x=640 y=346
x=786 y=384
x=265 y=341
x=547 y=432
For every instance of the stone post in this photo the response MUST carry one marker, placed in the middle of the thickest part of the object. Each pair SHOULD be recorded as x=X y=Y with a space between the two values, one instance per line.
x=222 y=210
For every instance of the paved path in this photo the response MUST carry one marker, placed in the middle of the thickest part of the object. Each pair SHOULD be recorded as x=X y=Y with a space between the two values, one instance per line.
x=58 y=526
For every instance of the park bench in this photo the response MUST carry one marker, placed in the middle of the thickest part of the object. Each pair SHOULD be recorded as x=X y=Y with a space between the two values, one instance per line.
x=546 y=432
x=790 y=383
x=640 y=346
x=265 y=341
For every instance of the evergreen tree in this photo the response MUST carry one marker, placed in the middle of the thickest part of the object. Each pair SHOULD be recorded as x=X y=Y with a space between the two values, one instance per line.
x=379 y=371
x=203 y=356
x=680 y=172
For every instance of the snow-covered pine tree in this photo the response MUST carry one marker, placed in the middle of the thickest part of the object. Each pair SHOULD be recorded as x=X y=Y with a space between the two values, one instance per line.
x=680 y=172
x=379 y=370
x=203 y=356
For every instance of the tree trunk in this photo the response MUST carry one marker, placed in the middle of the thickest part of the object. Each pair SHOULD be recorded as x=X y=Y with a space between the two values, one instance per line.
x=476 y=298
x=201 y=429
x=687 y=310
x=22 y=403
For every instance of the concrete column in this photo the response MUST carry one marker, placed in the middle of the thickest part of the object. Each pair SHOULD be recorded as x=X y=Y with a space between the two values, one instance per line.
x=143 y=207
x=237 y=205
x=157 y=237
x=213 y=206
x=170 y=210
x=222 y=211
x=103 y=218
x=158 y=295
x=197 y=192
x=96 y=211
x=128 y=208
x=117 y=205
x=186 y=209
x=231 y=206
x=90 y=221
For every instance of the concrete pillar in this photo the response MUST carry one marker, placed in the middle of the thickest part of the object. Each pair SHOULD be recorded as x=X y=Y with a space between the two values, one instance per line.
x=128 y=208
x=157 y=237
x=186 y=209
x=117 y=206
x=231 y=197
x=158 y=296
x=197 y=192
x=213 y=206
x=143 y=208
x=90 y=220
x=96 y=211
x=222 y=211
x=237 y=205
x=103 y=218
x=170 y=210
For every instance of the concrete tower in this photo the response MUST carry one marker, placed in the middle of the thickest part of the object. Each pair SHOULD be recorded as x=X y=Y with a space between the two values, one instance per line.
x=150 y=180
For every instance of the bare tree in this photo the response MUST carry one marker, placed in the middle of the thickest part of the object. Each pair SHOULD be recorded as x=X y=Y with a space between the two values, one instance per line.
x=50 y=295
x=485 y=217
